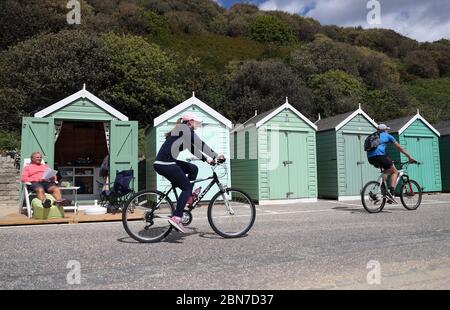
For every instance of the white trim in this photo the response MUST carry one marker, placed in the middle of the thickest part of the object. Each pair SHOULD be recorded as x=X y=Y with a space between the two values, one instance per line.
x=81 y=94
x=418 y=117
x=186 y=104
x=349 y=118
x=281 y=108
x=348 y=198
x=286 y=201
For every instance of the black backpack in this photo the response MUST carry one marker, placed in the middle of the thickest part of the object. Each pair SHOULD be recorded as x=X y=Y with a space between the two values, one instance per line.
x=372 y=142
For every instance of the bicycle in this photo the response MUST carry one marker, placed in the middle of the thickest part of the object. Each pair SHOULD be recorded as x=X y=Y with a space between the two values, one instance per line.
x=374 y=193
x=231 y=212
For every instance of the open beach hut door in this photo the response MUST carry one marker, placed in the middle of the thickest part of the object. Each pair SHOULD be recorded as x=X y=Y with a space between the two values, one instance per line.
x=123 y=148
x=38 y=134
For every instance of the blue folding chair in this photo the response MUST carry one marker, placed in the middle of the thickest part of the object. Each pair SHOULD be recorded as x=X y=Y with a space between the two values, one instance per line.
x=122 y=189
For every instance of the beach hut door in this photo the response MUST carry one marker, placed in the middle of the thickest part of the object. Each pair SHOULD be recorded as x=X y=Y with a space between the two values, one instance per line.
x=123 y=148
x=38 y=134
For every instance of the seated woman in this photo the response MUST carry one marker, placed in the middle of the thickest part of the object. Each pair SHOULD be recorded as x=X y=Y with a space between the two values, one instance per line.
x=34 y=173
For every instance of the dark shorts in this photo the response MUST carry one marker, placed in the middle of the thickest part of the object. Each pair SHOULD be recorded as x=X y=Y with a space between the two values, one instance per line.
x=381 y=162
x=44 y=185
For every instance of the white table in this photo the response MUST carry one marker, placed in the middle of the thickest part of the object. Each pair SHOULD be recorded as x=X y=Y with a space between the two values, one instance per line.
x=74 y=190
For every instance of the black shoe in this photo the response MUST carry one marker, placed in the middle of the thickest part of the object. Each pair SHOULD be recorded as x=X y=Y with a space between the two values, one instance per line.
x=63 y=202
x=47 y=203
x=390 y=197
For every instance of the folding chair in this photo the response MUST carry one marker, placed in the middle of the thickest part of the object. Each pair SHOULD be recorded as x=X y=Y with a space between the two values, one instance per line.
x=122 y=189
x=26 y=196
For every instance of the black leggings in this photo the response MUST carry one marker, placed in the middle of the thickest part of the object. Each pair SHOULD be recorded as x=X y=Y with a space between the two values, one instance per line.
x=176 y=174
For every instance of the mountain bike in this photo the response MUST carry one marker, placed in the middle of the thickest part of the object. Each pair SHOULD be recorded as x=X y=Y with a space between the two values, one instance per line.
x=374 y=193
x=231 y=212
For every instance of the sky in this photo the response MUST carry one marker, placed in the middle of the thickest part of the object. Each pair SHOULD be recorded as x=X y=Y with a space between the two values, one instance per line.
x=419 y=19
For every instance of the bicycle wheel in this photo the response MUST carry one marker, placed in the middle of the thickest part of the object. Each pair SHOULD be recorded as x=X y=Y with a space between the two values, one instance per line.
x=411 y=195
x=145 y=216
x=372 y=197
x=231 y=214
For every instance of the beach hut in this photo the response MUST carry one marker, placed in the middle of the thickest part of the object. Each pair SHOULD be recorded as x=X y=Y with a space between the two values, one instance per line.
x=75 y=135
x=342 y=164
x=215 y=131
x=274 y=156
x=421 y=141
x=444 y=147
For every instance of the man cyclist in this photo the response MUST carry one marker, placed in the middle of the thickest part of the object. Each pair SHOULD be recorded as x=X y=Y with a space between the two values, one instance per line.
x=183 y=137
x=379 y=158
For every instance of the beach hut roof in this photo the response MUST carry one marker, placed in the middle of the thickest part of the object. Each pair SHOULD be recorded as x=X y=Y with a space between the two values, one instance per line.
x=81 y=94
x=401 y=124
x=186 y=104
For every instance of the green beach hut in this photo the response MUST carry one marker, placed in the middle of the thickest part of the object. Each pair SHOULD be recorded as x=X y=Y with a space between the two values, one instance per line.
x=215 y=131
x=343 y=168
x=274 y=156
x=444 y=147
x=421 y=141
x=75 y=134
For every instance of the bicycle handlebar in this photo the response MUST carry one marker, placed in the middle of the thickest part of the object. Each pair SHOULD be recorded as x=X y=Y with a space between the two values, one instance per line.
x=215 y=162
x=406 y=163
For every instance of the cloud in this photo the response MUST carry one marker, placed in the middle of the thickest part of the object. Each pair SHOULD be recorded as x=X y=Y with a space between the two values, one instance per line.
x=418 y=19
x=286 y=5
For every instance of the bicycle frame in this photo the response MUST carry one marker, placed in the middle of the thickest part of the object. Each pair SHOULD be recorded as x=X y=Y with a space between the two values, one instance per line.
x=402 y=175
x=215 y=180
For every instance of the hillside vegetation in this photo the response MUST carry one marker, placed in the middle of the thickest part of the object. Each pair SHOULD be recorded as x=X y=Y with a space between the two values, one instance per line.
x=146 y=56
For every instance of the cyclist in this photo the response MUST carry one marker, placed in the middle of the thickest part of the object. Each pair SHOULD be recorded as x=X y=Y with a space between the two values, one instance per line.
x=183 y=137
x=379 y=158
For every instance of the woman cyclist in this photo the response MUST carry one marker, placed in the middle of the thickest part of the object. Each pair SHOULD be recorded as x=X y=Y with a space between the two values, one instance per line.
x=183 y=137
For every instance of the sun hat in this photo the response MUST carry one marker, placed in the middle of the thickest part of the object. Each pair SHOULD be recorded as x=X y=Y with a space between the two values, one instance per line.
x=191 y=117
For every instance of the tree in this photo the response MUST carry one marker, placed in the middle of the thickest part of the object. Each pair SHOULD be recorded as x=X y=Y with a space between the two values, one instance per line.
x=304 y=28
x=157 y=25
x=376 y=69
x=126 y=71
x=235 y=22
x=382 y=40
x=205 y=10
x=324 y=55
x=186 y=22
x=130 y=18
x=20 y=20
x=336 y=92
x=381 y=105
x=45 y=69
x=440 y=51
x=270 y=29
x=422 y=64
x=145 y=80
x=262 y=86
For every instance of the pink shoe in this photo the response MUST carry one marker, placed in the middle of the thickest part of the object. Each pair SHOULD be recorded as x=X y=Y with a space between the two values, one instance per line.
x=175 y=221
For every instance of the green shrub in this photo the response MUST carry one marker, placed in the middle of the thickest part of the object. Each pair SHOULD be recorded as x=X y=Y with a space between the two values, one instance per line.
x=9 y=140
x=270 y=29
